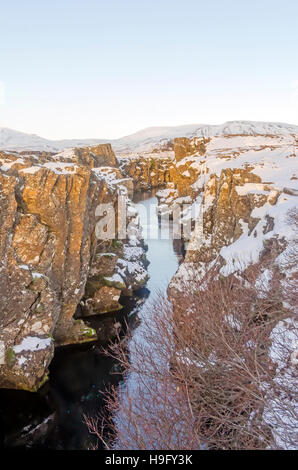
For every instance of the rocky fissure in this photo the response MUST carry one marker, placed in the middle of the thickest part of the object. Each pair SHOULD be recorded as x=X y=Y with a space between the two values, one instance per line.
x=233 y=190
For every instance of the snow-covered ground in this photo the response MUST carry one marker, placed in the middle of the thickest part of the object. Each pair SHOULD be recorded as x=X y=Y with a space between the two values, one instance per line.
x=271 y=153
x=274 y=159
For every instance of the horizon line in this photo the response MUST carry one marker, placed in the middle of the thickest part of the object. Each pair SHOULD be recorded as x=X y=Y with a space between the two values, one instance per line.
x=146 y=128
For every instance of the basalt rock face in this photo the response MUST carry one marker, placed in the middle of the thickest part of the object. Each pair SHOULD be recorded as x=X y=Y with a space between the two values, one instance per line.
x=233 y=192
x=95 y=157
x=224 y=212
x=148 y=171
x=228 y=187
x=47 y=247
x=118 y=268
x=157 y=169
x=184 y=147
x=242 y=188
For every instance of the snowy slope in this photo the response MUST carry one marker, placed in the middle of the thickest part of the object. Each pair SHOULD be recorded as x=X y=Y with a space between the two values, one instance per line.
x=15 y=140
x=147 y=139
x=153 y=137
x=144 y=140
x=274 y=159
x=248 y=128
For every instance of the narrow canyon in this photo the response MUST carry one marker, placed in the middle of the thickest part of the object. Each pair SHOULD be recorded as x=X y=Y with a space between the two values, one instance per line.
x=65 y=291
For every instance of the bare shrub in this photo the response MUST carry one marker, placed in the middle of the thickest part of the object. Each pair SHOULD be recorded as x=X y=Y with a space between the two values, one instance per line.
x=290 y=264
x=208 y=372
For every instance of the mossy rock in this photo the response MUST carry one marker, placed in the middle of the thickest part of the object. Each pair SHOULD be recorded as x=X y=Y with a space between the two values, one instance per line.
x=117 y=244
x=111 y=283
x=10 y=357
x=88 y=332
x=105 y=255
x=41 y=383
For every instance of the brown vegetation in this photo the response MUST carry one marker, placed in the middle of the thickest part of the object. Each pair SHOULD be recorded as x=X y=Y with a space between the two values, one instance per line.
x=202 y=376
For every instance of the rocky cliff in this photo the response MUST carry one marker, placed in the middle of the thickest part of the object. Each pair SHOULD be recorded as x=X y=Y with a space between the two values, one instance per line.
x=235 y=190
x=234 y=186
x=50 y=256
x=242 y=188
x=149 y=170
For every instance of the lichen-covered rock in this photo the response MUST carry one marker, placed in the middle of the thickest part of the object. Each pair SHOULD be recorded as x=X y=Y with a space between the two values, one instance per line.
x=48 y=252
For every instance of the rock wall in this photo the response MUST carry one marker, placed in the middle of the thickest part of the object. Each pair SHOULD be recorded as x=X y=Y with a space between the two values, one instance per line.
x=148 y=171
x=225 y=211
x=48 y=251
x=243 y=188
x=184 y=147
x=234 y=193
x=224 y=180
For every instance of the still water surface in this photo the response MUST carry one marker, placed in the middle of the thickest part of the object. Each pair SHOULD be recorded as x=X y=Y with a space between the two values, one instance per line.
x=79 y=374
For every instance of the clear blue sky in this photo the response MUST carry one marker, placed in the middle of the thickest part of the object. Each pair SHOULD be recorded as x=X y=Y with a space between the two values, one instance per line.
x=106 y=68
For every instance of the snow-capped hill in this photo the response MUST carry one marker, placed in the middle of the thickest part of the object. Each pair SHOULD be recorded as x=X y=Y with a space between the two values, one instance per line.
x=161 y=132
x=148 y=139
x=15 y=140
x=248 y=128
x=154 y=134
x=151 y=137
x=158 y=138
x=144 y=140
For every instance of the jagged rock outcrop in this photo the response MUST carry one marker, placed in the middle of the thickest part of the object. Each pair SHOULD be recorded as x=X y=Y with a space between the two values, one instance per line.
x=148 y=171
x=226 y=209
x=184 y=147
x=118 y=268
x=228 y=185
x=233 y=190
x=47 y=246
x=93 y=157
x=240 y=188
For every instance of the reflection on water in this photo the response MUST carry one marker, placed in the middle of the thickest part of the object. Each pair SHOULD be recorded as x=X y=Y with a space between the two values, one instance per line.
x=53 y=417
x=163 y=264
x=161 y=254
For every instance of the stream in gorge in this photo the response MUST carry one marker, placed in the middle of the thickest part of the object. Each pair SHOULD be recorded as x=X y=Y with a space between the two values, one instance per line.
x=53 y=417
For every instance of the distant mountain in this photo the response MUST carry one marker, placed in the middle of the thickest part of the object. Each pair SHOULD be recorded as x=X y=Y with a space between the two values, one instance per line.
x=248 y=128
x=16 y=140
x=146 y=139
